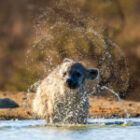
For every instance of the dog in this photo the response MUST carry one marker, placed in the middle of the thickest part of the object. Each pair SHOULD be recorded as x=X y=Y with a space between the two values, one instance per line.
x=61 y=97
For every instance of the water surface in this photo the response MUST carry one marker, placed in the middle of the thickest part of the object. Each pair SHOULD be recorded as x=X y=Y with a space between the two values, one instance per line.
x=98 y=129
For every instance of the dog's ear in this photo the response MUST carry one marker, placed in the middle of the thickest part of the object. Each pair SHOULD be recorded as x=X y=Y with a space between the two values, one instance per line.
x=67 y=60
x=92 y=74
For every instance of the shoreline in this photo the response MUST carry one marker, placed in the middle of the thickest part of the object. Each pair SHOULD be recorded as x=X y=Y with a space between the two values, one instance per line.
x=99 y=107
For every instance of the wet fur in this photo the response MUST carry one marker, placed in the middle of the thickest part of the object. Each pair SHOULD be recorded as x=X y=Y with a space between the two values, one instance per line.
x=57 y=103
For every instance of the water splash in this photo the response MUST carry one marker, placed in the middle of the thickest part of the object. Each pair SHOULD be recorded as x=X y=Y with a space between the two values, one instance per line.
x=34 y=86
x=117 y=95
x=62 y=33
x=31 y=88
x=75 y=37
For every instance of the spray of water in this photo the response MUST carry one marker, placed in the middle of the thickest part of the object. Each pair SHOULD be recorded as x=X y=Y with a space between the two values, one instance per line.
x=60 y=33
x=117 y=95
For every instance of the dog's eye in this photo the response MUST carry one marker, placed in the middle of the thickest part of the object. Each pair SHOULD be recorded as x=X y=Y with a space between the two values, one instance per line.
x=64 y=74
x=78 y=74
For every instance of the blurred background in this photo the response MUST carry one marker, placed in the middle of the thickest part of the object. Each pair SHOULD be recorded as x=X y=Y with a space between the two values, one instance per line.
x=118 y=20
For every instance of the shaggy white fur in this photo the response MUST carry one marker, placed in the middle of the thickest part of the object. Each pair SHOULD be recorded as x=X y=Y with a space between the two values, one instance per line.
x=62 y=97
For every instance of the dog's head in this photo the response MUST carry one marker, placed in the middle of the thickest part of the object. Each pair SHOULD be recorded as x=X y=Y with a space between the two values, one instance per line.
x=74 y=74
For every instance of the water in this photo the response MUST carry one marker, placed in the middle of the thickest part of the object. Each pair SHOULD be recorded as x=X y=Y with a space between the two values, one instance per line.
x=119 y=99
x=62 y=32
x=101 y=129
x=75 y=37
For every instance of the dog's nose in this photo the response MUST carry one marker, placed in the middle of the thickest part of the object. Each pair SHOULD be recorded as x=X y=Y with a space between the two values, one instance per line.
x=69 y=81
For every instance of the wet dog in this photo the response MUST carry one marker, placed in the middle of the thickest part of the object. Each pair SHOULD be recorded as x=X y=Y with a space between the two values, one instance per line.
x=61 y=97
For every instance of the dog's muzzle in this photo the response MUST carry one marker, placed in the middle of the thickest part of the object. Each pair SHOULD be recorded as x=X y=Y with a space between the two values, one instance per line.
x=71 y=84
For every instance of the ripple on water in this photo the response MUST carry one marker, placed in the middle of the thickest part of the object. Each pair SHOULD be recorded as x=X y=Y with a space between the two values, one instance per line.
x=97 y=128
